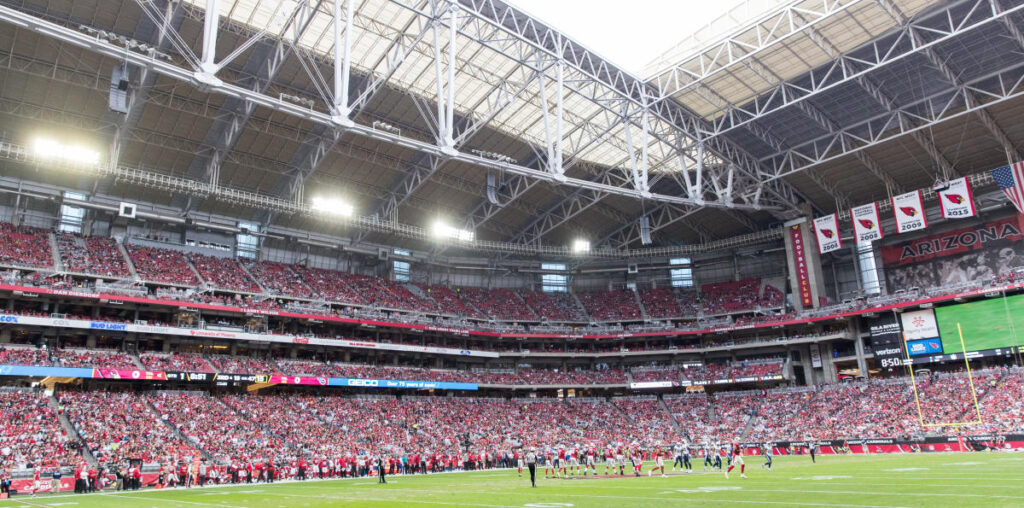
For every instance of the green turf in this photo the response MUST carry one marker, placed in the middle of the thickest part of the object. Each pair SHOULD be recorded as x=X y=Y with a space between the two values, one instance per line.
x=881 y=481
x=986 y=324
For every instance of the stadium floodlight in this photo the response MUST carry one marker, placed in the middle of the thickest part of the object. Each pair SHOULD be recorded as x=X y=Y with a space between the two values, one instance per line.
x=332 y=206
x=580 y=246
x=50 y=149
x=443 y=231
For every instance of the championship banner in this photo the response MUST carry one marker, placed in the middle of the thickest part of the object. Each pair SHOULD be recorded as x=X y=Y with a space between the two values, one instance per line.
x=826 y=229
x=803 y=276
x=909 y=212
x=866 y=225
x=956 y=200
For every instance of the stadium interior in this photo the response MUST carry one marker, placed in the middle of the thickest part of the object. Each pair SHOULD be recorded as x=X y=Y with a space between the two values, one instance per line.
x=327 y=232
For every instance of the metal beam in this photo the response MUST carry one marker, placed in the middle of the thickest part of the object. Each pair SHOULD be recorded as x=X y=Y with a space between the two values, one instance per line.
x=922 y=114
x=937 y=27
x=1013 y=154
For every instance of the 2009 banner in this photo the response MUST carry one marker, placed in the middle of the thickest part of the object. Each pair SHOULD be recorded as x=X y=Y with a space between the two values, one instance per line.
x=909 y=212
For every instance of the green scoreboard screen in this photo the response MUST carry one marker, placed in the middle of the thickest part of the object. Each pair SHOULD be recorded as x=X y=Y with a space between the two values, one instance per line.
x=986 y=324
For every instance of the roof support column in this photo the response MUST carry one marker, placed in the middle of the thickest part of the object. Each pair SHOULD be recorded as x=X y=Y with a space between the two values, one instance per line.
x=342 y=62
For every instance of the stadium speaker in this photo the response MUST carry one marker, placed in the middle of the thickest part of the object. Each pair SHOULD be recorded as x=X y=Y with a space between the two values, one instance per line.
x=645 y=230
x=632 y=268
x=126 y=210
x=382 y=254
x=122 y=85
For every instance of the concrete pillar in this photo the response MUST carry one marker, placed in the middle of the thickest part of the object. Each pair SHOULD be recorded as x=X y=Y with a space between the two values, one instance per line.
x=828 y=366
x=805 y=360
x=166 y=346
x=348 y=356
x=90 y=341
x=5 y=335
x=234 y=348
x=293 y=353
x=858 y=345
x=803 y=263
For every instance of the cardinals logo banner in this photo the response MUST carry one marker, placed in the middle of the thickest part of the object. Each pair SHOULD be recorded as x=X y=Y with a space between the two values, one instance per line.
x=826 y=229
x=957 y=201
x=866 y=225
x=909 y=211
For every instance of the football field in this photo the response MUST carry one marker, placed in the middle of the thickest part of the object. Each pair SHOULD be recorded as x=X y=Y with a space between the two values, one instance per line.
x=882 y=481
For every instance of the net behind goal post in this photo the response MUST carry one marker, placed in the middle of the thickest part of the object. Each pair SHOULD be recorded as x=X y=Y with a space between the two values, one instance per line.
x=970 y=379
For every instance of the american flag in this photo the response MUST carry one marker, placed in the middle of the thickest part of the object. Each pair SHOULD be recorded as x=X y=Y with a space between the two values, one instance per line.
x=1011 y=180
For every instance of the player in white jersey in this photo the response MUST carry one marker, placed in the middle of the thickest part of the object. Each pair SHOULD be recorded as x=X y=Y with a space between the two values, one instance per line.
x=677 y=452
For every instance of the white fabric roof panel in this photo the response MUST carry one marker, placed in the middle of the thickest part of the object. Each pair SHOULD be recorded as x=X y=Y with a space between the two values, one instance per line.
x=480 y=70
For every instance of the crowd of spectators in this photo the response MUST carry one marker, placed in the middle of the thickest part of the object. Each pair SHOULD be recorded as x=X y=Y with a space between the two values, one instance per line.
x=612 y=305
x=177 y=362
x=554 y=306
x=223 y=273
x=97 y=255
x=329 y=285
x=654 y=374
x=730 y=296
x=25 y=246
x=14 y=355
x=94 y=358
x=499 y=304
x=448 y=301
x=31 y=435
x=660 y=303
x=239 y=364
x=214 y=427
x=120 y=426
x=279 y=279
x=167 y=266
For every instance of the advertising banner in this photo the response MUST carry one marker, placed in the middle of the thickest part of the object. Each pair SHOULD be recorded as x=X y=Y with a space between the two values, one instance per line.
x=886 y=340
x=924 y=347
x=919 y=324
x=973 y=253
x=129 y=374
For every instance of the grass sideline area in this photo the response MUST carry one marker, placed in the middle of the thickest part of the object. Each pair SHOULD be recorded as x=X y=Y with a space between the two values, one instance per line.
x=858 y=481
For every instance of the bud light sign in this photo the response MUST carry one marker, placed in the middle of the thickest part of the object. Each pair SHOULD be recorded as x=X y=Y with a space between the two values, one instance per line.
x=924 y=347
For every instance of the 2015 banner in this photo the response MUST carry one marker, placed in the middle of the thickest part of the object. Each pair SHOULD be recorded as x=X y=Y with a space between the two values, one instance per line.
x=956 y=200
x=867 y=226
x=909 y=212
x=826 y=230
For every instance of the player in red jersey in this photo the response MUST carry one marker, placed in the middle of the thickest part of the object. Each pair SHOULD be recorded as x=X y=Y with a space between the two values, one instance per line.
x=737 y=458
x=659 y=462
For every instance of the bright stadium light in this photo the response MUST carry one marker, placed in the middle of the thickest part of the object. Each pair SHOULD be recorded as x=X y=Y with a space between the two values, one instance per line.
x=580 y=246
x=49 y=149
x=331 y=206
x=443 y=231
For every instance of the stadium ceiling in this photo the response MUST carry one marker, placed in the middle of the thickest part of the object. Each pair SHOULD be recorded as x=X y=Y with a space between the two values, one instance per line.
x=472 y=112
